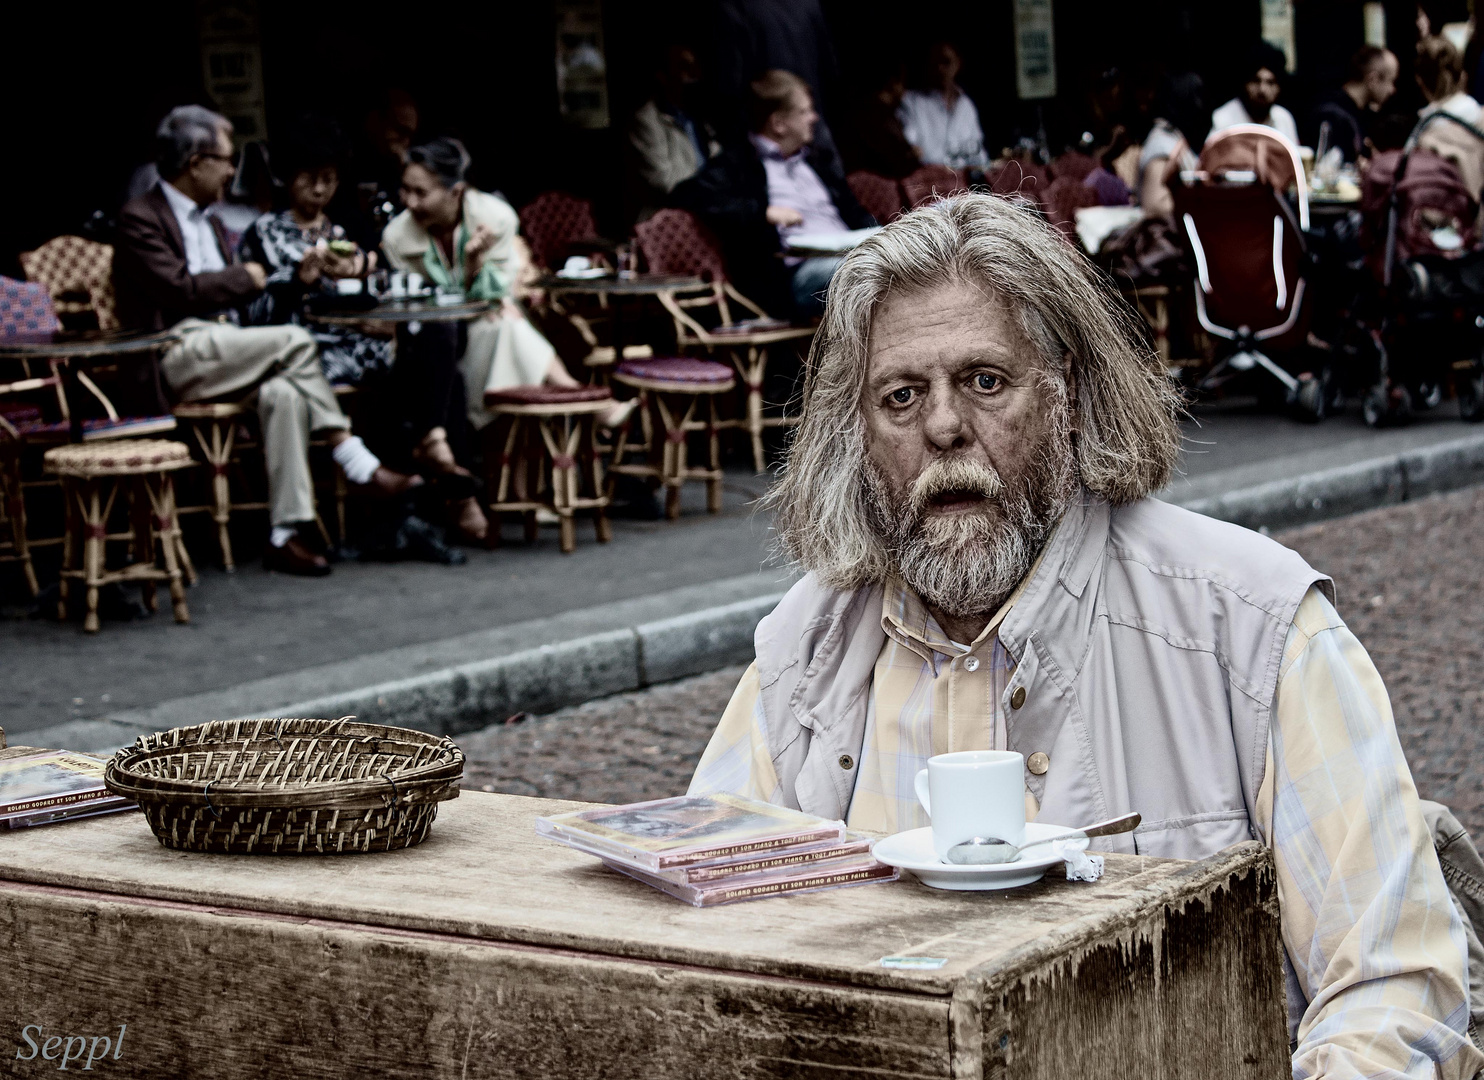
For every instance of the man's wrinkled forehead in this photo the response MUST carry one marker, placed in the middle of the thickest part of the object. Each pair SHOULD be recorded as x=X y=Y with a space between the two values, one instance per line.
x=949 y=326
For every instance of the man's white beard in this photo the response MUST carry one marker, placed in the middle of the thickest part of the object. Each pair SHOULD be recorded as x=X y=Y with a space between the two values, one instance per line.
x=967 y=564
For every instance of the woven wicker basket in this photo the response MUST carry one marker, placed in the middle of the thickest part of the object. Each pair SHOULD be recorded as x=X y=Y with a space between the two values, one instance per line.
x=288 y=787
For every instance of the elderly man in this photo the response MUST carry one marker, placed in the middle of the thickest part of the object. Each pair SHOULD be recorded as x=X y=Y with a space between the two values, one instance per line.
x=171 y=268
x=969 y=491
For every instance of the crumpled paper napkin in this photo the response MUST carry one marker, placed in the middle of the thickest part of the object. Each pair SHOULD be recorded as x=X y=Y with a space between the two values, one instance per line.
x=1080 y=865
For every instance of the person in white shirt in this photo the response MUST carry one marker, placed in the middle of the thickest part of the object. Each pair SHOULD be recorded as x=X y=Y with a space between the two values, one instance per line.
x=1439 y=74
x=1258 y=101
x=941 y=121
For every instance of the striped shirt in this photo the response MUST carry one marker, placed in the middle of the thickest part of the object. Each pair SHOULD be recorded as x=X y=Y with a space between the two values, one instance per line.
x=1375 y=954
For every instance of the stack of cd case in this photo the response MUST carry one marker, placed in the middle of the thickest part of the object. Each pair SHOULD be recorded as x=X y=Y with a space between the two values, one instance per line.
x=47 y=786
x=719 y=849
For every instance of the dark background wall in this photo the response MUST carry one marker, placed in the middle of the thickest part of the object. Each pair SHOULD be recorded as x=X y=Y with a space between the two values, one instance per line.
x=92 y=80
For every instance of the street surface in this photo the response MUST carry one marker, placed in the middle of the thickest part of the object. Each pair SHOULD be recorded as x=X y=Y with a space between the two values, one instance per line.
x=1408 y=579
x=254 y=625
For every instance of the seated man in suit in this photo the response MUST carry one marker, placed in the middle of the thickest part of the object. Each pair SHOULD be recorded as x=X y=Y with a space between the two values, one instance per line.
x=772 y=185
x=171 y=269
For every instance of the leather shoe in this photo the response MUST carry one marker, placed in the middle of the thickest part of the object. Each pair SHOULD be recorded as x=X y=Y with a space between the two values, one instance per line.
x=386 y=484
x=294 y=558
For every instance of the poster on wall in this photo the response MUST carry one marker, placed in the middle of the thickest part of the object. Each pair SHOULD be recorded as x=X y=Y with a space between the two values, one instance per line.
x=1277 y=28
x=1035 y=50
x=232 y=64
x=581 y=67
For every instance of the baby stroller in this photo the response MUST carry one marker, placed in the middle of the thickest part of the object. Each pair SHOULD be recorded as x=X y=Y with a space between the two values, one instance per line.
x=1422 y=224
x=1251 y=264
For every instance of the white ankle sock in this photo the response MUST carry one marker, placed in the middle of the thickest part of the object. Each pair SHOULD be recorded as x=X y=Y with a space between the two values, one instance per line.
x=282 y=534
x=358 y=463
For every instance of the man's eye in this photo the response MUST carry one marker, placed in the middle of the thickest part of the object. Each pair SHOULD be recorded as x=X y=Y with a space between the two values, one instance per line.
x=986 y=381
x=902 y=396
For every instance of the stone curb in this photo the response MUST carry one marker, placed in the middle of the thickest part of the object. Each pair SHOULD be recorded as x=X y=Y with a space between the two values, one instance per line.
x=1347 y=489
x=465 y=697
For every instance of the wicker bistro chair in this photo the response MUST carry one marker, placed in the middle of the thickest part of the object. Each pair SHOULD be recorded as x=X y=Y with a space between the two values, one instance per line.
x=674 y=242
x=92 y=478
x=671 y=390
x=552 y=223
x=78 y=273
x=880 y=195
x=548 y=456
x=931 y=182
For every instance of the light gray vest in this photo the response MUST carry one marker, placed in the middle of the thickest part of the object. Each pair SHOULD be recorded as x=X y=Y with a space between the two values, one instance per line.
x=1148 y=644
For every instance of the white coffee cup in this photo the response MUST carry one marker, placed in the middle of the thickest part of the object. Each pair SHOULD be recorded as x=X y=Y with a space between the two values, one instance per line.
x=973 y=793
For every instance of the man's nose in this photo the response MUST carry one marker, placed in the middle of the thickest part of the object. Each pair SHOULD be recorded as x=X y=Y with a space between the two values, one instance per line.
x=943 y=423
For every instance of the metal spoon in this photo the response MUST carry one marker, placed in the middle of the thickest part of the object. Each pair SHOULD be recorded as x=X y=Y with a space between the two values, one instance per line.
x=988 y=850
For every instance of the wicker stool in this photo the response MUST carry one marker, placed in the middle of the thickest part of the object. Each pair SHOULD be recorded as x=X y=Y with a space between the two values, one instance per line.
x=214 y=424
x=673 y=387
x=142 y=468
x=548 y=446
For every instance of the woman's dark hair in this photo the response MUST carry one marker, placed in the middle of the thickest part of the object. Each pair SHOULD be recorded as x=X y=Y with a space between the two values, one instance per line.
x=445 y=158
x=310 y=143
x=1181 y=103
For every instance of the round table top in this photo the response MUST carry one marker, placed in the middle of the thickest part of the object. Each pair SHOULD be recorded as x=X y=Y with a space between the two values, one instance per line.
x=638 y=285
x=404 y=311
x=85 y=343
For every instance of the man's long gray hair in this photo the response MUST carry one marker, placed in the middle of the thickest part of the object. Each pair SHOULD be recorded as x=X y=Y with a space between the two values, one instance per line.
x=1125 y=435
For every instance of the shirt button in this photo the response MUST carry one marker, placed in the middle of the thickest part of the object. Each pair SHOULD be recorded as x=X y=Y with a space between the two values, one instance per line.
x=847 y=762
x=1017 y=699
x=971 y=663
x=1038 y=763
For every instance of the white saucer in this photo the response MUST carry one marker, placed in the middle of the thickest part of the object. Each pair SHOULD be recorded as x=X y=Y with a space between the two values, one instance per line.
x=913 y=850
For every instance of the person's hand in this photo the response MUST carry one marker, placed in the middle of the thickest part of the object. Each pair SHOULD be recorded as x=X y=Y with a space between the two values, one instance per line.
x=342 y=266
x=311 y=266
x=257 y=273
x=784 y=216
x=480 y=242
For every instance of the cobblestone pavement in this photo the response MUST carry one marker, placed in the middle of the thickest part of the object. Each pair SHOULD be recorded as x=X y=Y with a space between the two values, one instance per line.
x=1408 y=580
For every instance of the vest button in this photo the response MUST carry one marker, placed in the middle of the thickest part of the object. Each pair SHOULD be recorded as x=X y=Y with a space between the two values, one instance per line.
x=847 y=762
x=1038 y=763
x=1017 y=699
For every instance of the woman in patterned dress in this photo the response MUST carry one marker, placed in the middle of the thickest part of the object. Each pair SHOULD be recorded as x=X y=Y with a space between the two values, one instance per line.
x=416 y=386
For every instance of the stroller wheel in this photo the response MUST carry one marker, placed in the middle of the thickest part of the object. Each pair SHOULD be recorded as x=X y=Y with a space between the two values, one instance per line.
x=1310 y=401
x=1382 y=407
x=1470 y=390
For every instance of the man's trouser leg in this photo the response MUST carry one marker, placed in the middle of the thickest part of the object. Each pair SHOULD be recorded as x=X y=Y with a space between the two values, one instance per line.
x=219 y=360
x=284 y=413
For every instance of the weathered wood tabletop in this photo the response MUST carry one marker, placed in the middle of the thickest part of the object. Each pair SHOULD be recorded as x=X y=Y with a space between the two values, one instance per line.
x=490 y=952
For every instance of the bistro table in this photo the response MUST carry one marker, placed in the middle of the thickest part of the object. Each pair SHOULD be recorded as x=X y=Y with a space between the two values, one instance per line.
x=69 y=352
x=403 y=311
x=488 y=951
x=618 y=292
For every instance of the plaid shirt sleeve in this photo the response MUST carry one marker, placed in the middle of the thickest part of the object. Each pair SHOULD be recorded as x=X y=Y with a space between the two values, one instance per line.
x=737 y=758
x=1377 y=983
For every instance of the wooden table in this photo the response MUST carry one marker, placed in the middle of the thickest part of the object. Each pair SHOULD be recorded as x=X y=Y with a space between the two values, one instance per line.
x=490 y=952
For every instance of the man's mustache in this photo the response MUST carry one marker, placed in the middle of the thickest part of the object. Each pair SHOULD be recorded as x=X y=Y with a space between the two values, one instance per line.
x=958 y=476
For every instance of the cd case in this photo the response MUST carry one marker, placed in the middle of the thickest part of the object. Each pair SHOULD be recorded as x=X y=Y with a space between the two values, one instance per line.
x=806 y=877
x=667 y=834
x=45 y=786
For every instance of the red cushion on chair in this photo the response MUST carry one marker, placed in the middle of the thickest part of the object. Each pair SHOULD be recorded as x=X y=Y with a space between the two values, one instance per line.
x=545 y=395
x=678 y=369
